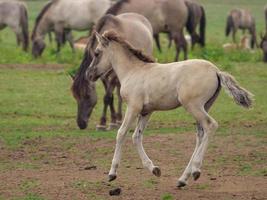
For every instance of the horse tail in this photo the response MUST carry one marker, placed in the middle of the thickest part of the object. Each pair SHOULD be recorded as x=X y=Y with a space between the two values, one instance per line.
x=202 y=27
x=24 y=26
x=240 y=95
x=190 y=19
x=229 y=25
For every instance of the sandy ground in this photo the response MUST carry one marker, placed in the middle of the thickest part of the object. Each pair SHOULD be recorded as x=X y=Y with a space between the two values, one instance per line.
x=76 y=168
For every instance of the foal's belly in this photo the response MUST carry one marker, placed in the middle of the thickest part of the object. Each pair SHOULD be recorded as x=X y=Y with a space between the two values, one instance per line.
x=162 y=99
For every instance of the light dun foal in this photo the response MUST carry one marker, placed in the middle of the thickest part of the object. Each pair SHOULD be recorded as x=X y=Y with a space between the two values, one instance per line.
x=147 y=86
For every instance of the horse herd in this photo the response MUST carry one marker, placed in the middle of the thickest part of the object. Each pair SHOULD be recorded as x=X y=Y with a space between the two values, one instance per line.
x=119 y=52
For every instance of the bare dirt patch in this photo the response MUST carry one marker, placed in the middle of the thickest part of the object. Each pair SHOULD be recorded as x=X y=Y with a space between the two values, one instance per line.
x=76 y=168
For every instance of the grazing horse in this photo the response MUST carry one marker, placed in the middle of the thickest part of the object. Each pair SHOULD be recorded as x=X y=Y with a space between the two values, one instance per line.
x=137 y=30
x=196 y=17
x=62 y=16
x=147 y=86
x=241 y=19
x=14 y=15
x=164 y=15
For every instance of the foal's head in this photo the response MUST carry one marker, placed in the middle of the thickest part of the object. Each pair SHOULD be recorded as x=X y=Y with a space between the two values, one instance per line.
x=101 y=63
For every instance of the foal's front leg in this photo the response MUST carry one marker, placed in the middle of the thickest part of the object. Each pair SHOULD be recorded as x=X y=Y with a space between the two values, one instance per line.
x=137 y=140
x=129 y=118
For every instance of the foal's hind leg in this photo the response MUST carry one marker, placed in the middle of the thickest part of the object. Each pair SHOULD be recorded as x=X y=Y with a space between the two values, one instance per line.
x=207 y=126
x=137 y=140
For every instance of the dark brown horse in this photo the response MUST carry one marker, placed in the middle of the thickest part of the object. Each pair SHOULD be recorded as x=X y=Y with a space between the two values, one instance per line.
x=14 y=14
x=138 y=31
x=164 y=15
x=241 y=19
x=196 y=18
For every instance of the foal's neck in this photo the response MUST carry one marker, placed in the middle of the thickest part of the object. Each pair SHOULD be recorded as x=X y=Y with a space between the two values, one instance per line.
x=123 y=61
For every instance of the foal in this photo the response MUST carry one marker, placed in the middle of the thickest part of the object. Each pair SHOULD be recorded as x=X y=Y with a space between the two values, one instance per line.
x=147 y=86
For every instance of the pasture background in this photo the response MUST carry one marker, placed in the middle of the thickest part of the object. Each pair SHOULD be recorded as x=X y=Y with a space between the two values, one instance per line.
x=37 y=111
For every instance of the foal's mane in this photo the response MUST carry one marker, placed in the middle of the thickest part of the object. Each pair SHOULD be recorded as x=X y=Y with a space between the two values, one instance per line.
x=40 y=16
x=114 y=9
x=113 y=36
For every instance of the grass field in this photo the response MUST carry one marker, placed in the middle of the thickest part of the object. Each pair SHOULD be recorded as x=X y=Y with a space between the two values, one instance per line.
x=43 y=154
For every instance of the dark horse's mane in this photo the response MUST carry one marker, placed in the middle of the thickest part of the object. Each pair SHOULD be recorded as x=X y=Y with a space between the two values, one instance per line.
x=81 y=83
x=40 y=16
x=113 y=36
x=116 y=7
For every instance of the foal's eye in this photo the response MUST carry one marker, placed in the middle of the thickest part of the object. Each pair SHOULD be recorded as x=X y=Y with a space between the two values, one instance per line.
x=96 y=53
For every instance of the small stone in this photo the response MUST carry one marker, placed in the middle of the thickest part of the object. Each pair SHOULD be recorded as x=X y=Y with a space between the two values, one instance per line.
x=115 y=192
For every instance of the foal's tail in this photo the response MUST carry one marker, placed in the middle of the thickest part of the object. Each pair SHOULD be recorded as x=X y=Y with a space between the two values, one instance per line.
x=229 y=25
x=24 y=26
x=241 y=96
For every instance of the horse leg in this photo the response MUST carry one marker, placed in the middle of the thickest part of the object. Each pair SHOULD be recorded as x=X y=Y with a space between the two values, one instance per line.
x=233 y=35
x=177 y=40
x=59 y=31
x=110 y=100
x=184 y=46
x=103 y=119
x=180 y=43
x=206 y=126
x=156 y=38
x=18 y=39
x=130 y=116
x=119 y=113
x=69 y=38
x=137 y=141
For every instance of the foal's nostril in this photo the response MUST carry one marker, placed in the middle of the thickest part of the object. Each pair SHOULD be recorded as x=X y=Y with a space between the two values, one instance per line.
x=82 y=124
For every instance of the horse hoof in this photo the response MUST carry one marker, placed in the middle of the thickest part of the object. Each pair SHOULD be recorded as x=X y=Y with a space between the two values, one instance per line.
x=113 y=126
x=156 y=171
x=101 y=128
x=112 y=177
x=181 y=184
x=196 y=175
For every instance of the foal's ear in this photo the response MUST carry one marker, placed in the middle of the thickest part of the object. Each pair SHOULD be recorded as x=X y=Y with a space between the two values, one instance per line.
x=101 y=39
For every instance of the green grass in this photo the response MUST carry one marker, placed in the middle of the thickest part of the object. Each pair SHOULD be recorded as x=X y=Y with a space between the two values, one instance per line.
x=39 y=103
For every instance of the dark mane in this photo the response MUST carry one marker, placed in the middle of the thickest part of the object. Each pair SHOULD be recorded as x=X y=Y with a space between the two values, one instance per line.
x=81 y=83
x=40 y=16
x=113 y=36
x=114 y=9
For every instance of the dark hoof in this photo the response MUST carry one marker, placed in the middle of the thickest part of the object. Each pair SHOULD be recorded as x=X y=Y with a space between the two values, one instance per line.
x=101 y=128
x=115 y=192
x=111 y=177
x=156 y=171
x=196 y=175
x=181 y=184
